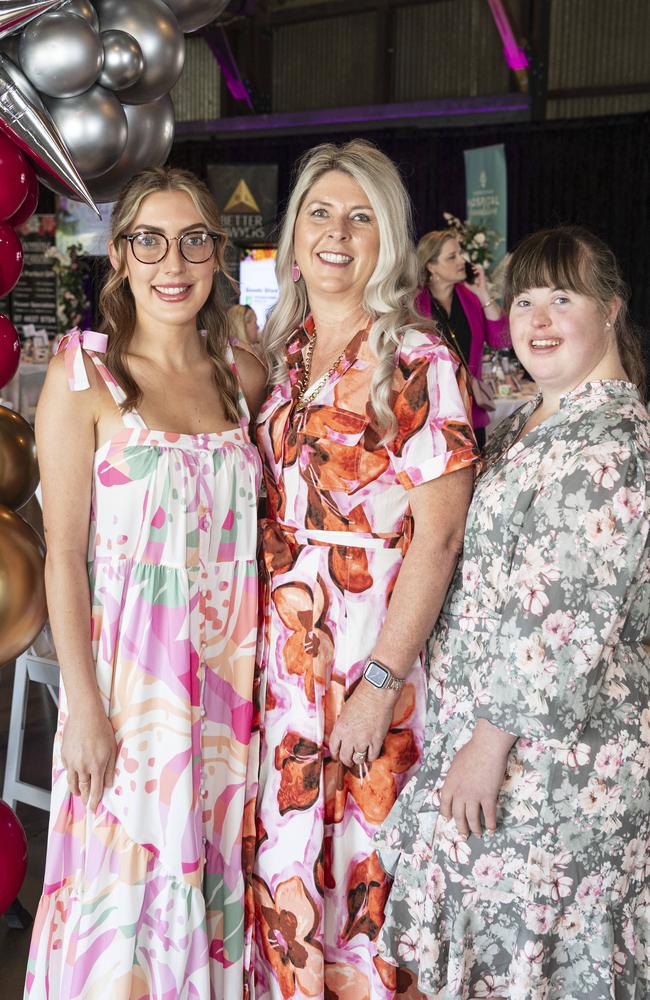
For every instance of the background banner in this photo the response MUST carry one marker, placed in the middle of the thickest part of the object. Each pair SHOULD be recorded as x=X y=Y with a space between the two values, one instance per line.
x=486 y=193
x=247 y=197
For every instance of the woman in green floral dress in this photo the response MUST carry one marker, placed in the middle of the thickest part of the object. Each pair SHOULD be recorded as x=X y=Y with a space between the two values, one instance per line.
x=520 y=849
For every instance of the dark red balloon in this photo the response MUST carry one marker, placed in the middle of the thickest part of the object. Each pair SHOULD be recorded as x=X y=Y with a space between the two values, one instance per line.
x=11 y=258
x=30 y=203
x=14 y=180
x=9 y=350
x=13 y=851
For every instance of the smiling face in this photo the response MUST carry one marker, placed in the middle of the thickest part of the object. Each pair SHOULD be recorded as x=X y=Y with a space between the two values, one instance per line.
x=336 y=238
x=449 y=268
x=172 y=291
x=563 y=338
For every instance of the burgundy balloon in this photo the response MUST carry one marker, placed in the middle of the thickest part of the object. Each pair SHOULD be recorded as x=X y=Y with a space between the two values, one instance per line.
x=13 y=177
x=9 y=350
x=11 y=258
x=30 y=203
x=13 y=851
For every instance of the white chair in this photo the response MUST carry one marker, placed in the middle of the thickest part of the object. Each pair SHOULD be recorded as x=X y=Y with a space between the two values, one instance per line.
x=40 y=669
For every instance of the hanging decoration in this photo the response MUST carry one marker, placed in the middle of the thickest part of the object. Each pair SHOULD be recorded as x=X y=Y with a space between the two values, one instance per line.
x=9 y=350
x=14 y=16
x=13 y=851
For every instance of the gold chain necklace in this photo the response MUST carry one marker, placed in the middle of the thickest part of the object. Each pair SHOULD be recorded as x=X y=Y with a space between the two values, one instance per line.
x=303 y=385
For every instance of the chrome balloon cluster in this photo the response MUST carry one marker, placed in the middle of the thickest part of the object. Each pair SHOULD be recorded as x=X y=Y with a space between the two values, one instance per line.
x=84 y=87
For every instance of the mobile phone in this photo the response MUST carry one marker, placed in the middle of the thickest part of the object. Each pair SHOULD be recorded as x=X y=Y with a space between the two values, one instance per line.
x=470 y=277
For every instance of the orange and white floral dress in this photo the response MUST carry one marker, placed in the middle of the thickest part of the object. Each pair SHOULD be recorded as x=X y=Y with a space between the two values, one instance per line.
x=338 y=527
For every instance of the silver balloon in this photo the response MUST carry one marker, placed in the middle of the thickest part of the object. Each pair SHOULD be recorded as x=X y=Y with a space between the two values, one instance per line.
x=23 y=83
x=194 y=14
x=61 y=54
x=150 y=138
x=93 y=127
x=156 y=30
x=83 y=8
x=33 y=131
x=14 y=16
x=9 y=46
x=123 y=60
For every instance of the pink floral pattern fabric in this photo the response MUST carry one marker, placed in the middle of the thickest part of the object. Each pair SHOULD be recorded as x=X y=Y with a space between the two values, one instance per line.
x=543 y=634
x=145 y=898
x=338 y=527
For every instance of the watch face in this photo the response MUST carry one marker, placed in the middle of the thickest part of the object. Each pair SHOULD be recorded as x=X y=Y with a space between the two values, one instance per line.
x=376 y=674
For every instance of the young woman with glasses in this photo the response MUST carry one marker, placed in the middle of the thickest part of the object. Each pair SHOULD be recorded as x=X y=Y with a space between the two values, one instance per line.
x=150 y=484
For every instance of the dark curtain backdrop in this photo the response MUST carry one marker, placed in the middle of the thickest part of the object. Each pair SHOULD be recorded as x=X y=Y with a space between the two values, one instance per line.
x=595 y=172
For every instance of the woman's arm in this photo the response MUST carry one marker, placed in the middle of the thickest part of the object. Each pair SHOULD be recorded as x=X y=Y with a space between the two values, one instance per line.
x=439 y=509
x=496 y=323
x=65 y=435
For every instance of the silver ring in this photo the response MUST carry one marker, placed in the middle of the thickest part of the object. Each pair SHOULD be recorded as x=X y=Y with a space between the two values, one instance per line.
x=359 y=756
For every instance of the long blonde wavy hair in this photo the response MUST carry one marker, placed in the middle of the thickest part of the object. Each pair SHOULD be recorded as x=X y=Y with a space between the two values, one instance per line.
x=116 y=302
x=390 y=293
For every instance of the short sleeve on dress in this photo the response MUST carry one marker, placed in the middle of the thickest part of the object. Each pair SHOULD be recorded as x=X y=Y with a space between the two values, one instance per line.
x=434 y=435
x=581 y=556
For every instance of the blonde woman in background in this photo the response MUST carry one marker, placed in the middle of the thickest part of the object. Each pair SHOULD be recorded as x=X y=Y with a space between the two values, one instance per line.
x=150 y=488
x=368 y=458
x=243 y=326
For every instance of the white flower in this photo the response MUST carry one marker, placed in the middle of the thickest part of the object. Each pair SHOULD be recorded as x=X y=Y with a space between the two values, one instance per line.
x=539 y=917
x=480 y=238
x=488 y=870
x=558 y=628
x=407 y=946
x=592 y=798
x=609 y=760
x=570 y=925
x=628 y=504
x=600 y=528
x=435 y=882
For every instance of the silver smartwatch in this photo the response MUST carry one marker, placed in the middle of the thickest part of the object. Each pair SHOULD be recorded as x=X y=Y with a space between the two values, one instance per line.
x=381 y=677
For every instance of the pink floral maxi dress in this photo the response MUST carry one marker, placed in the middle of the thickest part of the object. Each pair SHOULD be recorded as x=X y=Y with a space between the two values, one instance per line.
x=338 y=526
x=145 y=898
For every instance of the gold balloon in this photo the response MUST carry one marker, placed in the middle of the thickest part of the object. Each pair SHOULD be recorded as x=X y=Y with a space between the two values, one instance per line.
x=23 y=610
x=18 y=464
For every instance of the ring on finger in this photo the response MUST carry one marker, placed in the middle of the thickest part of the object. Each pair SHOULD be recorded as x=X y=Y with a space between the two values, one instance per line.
x=359 y=756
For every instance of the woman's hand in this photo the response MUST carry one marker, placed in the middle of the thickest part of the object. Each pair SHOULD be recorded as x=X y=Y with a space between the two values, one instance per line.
x=88 y=752
x=363 y=723
x=480 y=284
x=475 y=778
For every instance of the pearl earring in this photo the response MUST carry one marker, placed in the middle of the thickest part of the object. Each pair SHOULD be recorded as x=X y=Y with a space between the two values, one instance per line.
x=608 y=325
x=296 y=273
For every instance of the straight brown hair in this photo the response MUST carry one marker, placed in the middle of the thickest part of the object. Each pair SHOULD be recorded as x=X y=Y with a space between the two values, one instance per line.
x=116 y=302
x=573 y=258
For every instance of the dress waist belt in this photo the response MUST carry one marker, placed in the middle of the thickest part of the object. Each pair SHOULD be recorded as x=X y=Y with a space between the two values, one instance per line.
x=349 y=539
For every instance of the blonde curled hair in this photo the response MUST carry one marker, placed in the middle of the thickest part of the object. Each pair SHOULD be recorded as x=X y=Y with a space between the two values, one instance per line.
x=429 y=249
x=116 y=302
x=390 y=293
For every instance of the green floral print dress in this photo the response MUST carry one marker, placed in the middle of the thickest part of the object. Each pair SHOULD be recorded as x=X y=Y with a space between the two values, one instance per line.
x=542 y=633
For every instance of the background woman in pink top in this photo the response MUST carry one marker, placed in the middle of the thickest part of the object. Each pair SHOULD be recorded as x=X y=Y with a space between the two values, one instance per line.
x=469 y=316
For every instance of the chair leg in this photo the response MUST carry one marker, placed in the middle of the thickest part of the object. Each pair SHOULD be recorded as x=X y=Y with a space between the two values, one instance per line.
x=16 y=731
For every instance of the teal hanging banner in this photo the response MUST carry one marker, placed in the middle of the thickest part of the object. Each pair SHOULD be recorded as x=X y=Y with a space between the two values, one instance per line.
x=486 y=187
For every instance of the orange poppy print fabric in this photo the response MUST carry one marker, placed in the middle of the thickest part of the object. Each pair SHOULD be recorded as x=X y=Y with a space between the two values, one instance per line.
x=337 y=530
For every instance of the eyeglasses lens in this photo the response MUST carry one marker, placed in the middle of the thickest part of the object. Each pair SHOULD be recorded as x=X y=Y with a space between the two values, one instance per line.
x=150 y=248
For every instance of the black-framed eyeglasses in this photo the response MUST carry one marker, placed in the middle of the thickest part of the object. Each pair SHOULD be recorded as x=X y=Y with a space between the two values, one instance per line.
x=150 y=248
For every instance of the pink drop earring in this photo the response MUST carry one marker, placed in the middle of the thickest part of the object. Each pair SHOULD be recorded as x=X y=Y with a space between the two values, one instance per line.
x=295 y=273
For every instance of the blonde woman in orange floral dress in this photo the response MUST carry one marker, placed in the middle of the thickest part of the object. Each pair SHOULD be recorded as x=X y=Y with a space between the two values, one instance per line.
x=369 y=460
